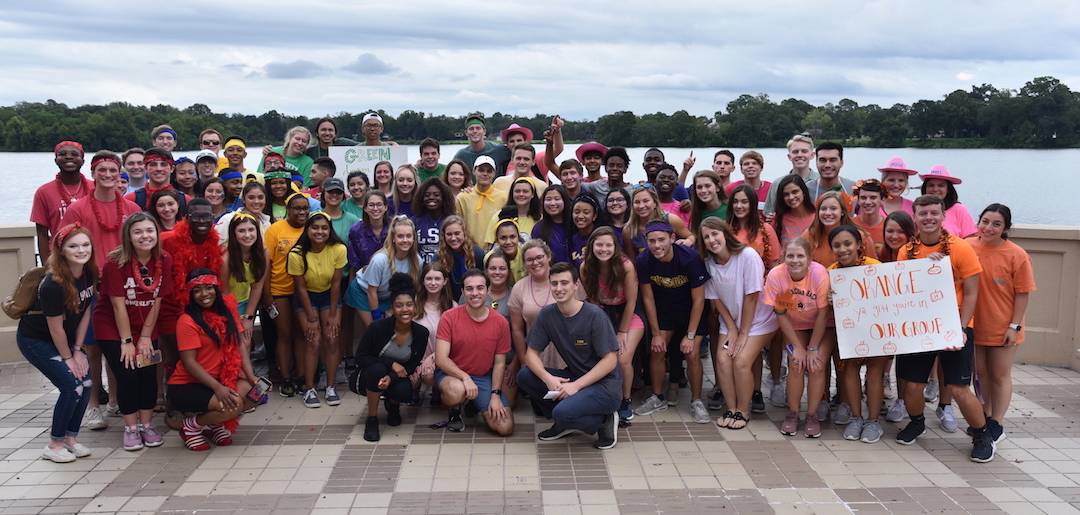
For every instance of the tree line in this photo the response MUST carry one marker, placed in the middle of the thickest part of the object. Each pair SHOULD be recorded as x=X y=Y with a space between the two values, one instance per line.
x=1044 y=113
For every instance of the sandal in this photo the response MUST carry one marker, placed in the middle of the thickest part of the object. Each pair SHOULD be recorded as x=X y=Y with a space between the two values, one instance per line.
x=725 y=420
x=739 y=421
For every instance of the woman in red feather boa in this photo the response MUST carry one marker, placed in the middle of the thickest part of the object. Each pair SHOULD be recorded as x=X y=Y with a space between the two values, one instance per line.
x=214 y=374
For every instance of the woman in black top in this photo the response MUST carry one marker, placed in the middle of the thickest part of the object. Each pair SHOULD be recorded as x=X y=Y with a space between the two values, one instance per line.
x=389 y=352
x=52 y=333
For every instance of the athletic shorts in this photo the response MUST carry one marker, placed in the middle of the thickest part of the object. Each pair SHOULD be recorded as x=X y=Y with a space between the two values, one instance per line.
x=190 y=397
x=483 y=394
x=357 y=298
x=956 y=365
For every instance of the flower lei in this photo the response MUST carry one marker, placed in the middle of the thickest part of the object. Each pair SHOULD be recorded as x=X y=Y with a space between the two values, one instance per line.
x=915 y=243
x=94 y=205
x=188 y=255
x=155 y=276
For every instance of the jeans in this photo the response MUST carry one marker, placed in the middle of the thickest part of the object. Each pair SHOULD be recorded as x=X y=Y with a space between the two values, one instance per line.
x=74 y=392
x=583 y=411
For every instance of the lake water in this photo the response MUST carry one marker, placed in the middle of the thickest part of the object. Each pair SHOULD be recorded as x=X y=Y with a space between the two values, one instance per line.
x=1012 y=177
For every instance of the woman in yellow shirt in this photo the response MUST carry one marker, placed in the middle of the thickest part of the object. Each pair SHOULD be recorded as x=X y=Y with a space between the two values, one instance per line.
x=315 y=265
x=280 y=238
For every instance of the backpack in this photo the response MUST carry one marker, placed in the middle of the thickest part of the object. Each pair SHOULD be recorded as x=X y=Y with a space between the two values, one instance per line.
x=26 y=293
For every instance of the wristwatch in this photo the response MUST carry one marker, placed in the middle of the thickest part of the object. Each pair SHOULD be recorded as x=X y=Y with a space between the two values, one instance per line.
x=496 y=392
x=690 y=335
x=1016 y=327
x=247 y=317
x=128 y=340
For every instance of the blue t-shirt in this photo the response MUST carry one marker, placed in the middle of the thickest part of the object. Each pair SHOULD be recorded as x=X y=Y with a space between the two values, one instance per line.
x=578 y=242
x=394 y=209
x=427 y=237
x=457 y=275
x=672 y=281
x=556 y=239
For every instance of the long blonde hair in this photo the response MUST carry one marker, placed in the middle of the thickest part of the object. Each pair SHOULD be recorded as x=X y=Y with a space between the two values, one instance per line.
x=289 y=134
x=389 y=250
x=636 y=223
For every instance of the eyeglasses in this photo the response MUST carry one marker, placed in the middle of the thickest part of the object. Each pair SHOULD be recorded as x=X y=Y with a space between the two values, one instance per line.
x=616 y=200
x=145 y=273
x=210 y=143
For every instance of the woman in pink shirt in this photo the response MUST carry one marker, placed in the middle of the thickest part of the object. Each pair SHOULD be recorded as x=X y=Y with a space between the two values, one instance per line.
x=940 y=183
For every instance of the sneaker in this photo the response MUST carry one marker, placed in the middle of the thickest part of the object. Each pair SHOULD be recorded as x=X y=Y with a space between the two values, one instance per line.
x=95 y=420
x=993 y=427
x=813 y=426
x=699 y=413
x=757 y=402
x=150 y=436
x=842 y=415
x=790 y=425
x=554 y=433
x=910 y=432
x=673 y=394
x=822 y=412
x=947 y=419
x=132 y=439
x=60 y=455
x=112 y=410
x=651 y=405
x=79 y=450
x=332 y=398
x=393 y=413
x=311 y=399
x=983 y=447
x=221 y=436
x=371 y=429
x=897 y=411
x=871 y=431
x=930 y=393
x=286 y=389
x=608 y=433
x=890 y=385
x=716 y=400
x=455 y=423
x=778 y=395
x=853 y=431
x=626 y=411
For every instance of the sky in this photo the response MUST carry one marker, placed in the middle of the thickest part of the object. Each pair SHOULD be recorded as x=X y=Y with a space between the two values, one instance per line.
x=579 y=59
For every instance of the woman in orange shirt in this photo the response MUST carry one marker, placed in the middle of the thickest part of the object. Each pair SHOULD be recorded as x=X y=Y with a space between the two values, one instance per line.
x=1004 y=286
x=746 y=222
x=831 y=212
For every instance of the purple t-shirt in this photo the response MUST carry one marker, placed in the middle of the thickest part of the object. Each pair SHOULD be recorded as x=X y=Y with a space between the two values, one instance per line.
x=364 y=243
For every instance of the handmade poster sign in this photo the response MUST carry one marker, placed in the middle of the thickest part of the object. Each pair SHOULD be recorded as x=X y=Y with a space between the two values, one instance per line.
x=902 y=307
x=362 y=158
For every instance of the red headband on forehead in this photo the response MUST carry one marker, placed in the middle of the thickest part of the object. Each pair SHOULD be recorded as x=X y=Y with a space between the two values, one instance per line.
x=204 y=280
x=108 y=157
x=78 y=146
x=63 y=233
x=156 y=157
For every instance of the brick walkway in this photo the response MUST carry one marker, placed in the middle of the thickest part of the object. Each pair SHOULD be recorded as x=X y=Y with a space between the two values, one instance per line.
x=289 y=459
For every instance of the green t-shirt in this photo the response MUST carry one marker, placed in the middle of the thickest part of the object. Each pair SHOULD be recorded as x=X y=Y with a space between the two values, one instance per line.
x=426 y=173
x=314 y=151
x=300 y=164
x=343 y=223
x=352 y=208
x=720 y=212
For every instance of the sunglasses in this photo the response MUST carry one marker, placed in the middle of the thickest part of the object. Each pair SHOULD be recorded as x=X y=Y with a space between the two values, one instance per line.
x=145 y=273
x=209 y=142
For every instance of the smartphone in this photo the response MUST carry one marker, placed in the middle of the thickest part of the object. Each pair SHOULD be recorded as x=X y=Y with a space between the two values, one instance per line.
x=154 y=359
x=552 y=394
x=272 y=311
x=259 y=389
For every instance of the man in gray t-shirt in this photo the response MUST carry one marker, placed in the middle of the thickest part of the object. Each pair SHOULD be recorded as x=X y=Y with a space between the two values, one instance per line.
x=582 y=397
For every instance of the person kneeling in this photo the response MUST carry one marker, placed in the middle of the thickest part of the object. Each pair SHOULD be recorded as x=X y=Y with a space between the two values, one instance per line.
x=389 y=352
x=470 y=352
x=586 y=394
x=214 y=374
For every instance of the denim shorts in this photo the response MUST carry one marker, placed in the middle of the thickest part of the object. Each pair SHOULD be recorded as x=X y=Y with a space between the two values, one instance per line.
x=319 y=301
x=483 y=395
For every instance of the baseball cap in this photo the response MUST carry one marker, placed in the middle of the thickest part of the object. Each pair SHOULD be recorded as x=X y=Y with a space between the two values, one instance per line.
x=205 y=154
x=484 y=160
x=332 y=184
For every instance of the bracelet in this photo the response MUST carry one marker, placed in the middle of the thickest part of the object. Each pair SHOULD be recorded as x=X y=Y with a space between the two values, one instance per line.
x=812 y=349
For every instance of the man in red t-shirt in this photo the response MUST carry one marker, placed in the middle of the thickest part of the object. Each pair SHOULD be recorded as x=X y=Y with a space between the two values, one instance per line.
x=52 y=199
x=471 y=344
x=159 y=169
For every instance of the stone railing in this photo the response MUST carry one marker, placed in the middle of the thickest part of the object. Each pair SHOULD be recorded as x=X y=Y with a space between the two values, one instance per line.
x=1052 y=328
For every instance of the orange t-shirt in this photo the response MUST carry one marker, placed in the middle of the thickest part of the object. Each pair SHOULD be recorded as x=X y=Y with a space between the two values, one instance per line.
x=1007 y=271
x=876 y=231
x=822 y=252
x=766 y=233
x=964 y=261
x=800 y=300
x=189 y=336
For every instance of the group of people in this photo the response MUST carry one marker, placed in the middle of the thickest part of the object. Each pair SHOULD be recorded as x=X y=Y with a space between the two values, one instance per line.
x=487 y=281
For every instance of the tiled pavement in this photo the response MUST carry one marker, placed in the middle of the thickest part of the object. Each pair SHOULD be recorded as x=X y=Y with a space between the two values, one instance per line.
x=288 y=459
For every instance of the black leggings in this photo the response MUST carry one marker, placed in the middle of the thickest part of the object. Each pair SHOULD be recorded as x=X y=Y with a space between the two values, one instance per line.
x=136 y=388
x=400 y=388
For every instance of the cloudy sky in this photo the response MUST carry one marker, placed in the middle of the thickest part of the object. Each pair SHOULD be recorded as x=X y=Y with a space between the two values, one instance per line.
x=581 y=59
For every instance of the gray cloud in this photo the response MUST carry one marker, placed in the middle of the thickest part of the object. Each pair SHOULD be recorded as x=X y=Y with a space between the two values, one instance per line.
x=298 y=69
x=368 y=64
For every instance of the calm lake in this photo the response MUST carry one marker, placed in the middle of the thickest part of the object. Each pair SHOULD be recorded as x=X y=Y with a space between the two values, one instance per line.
x=1004 y=176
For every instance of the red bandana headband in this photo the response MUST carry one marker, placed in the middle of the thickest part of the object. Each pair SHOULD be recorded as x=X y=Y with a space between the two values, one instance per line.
x=106 y=157
x=204 y=280
x=156 y=157
x=63 y=233
x=67 y=143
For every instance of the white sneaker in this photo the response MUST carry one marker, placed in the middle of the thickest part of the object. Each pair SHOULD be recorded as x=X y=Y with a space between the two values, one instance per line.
x=651 y=405
x=78 y=450
x=890 y=385
x=778 y=394
x=897 y=411
x=930 y=393
x=699 y=413
x=95 y=420
x=112 y=410
x=60 y=455
x=947 y=419
x=672 y=394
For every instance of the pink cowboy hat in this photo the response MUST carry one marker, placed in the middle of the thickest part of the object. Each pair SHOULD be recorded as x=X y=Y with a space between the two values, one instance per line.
x=941 y=173
x=896 y=164
x=591 y=146
x=516 y=128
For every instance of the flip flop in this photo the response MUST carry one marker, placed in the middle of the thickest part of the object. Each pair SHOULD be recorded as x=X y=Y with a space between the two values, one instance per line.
x=737 y=418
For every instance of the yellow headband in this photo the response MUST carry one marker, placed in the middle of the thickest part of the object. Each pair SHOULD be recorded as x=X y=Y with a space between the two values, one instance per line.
x=234 y=142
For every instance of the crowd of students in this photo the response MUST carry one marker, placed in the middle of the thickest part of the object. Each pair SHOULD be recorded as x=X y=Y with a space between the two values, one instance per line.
x=490 y=283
